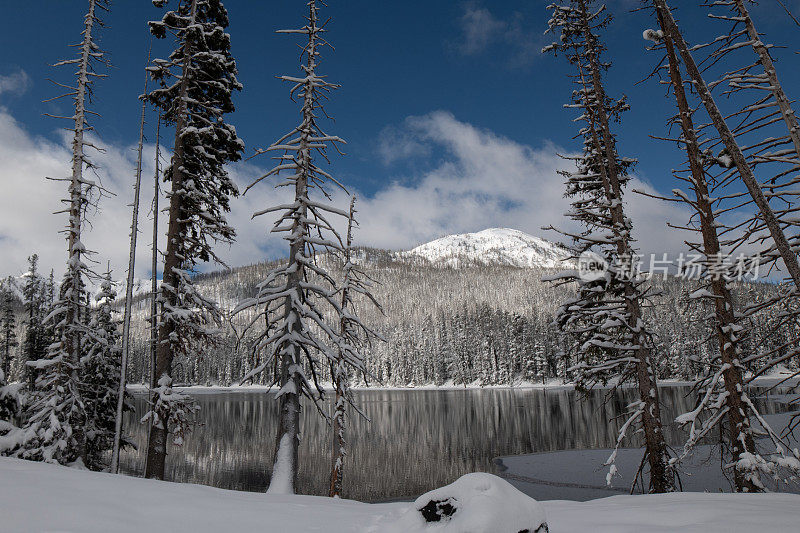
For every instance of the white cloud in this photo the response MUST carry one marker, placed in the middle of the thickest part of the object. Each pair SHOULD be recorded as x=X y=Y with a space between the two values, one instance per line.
x=396 y=143
x=15 y=83
x=28 y=202
x=480 y=29
x=485 y=181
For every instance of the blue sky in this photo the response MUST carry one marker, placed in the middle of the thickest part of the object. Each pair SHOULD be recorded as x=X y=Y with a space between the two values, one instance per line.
x=440 y=101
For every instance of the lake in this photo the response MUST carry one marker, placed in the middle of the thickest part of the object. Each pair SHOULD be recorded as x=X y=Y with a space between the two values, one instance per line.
x=417 y=440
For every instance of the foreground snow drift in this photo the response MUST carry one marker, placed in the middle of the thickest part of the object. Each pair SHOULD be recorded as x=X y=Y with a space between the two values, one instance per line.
x=474 y=502
x=36 y=497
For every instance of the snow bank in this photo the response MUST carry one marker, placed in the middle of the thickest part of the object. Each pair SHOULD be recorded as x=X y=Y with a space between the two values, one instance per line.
x=37 y=497
x=474 y=503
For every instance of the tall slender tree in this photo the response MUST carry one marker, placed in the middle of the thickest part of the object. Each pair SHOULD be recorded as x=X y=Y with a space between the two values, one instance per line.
x=196 y=86
x=721 y=390
x=354 y=334
x=153 y=351
x=126 y=320
x=723 y=400
x=297 y=296
x=606 y=316
x=58 y=417
x=770 y=222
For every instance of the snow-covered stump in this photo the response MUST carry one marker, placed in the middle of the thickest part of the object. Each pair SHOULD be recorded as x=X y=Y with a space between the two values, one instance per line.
x=474 y=503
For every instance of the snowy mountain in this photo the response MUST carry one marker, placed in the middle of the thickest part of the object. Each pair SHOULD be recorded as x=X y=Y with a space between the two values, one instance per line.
x=501 y=246
x=14 y=285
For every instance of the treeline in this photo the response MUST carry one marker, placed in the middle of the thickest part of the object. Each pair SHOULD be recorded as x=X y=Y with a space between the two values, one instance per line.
x=477 y=324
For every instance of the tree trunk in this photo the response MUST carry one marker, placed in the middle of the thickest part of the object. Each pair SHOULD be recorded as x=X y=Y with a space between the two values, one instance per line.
x=157 y=447
x=284 y=470
x=72 y=340
x=671 y=30
x=126 y=321
x=661 y=475
x=738 y=425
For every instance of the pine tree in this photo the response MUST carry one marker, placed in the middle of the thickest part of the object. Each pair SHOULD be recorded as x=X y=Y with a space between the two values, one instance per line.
x=724 y=385
x=10 y=415
x=196 y=85
x=606 y=317
x=56 y=426
x=32 y=344
x=8 y=335
x=100 y=377
x=56 y=417
x=295 y=297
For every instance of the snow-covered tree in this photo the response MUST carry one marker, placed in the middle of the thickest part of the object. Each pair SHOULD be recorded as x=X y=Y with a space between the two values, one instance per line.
x=764 y=125
x=733 y=155
x=56 y=419
x=354 y=334
x=8 y=334
x=196 y=86
x=33 y=346
x=296 y=298
x=11 y=411
x=56 y=426
x=721 y=388
x=100 y=377
x=612 y=342
x=723 y=404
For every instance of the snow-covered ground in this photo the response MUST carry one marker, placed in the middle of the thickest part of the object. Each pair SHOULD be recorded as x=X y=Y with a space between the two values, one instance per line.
x=580 y=474
x=217 y=389
x=783 y=379
x=36 y=497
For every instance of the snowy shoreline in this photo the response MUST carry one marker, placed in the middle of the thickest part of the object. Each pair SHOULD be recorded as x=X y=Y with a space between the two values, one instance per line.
x=784 y=380
x=42 y=497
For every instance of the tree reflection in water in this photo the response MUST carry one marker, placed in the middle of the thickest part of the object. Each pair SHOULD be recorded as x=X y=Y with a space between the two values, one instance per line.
x=417 y=440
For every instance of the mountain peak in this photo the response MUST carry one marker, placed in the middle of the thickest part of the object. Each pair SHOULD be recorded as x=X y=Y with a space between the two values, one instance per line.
x=501 y=246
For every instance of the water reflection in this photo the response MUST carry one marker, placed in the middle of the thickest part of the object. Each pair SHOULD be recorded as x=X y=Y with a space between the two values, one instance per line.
x=417 y=440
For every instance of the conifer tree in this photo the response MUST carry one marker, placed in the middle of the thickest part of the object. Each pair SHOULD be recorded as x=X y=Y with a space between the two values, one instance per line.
x=8 y=334
x=100 y=377
x=606 y=317
x=10 y=415
x=734 y=155
x=196 y=85
x=57 y=422
x=297 y=297
x=724 y=384
x=32 y=343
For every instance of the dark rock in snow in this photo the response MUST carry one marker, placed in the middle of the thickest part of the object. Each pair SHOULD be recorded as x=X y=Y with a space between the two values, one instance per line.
x=435 y=510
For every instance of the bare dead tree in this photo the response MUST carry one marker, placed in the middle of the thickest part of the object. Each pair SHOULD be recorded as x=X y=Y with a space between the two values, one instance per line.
x=745 y=172
x=355 y=334
x=126 y=320
x=612 y=342
x=57 y=427
x=296 y=299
